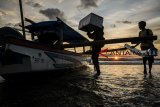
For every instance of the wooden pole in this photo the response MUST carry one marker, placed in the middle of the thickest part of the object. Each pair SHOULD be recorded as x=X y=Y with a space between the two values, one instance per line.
x=22 y=18
x=84 y=49
x=75 y=50
x=61 y=33
x=110 y=41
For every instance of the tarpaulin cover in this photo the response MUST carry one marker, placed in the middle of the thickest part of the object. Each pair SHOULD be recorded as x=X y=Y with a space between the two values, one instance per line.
x=69 y=34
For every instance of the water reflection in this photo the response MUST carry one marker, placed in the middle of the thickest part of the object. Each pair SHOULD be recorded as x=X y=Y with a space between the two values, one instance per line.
x=117 y=85
x=128 y=84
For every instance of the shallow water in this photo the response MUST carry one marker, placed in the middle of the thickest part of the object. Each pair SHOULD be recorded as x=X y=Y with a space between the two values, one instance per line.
x=116 y=86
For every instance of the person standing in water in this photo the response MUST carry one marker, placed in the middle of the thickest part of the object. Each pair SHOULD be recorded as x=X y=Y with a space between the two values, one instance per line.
x=146 y=45
x=96 y=35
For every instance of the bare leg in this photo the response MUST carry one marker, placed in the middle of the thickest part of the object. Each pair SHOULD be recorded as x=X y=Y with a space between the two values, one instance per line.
x=96 y=63
x=150 y=62
x=144 y=63
x=150 y=67
x=94 y=68
x=97 y=68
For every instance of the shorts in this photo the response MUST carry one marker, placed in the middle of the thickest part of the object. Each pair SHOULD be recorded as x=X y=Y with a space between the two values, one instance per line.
x=150 y=58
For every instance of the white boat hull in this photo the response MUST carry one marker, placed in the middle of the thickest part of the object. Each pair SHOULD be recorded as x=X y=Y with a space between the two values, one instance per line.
x=38 y=60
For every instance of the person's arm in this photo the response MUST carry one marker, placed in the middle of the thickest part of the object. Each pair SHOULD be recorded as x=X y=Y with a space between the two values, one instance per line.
x=150 y=33
x=136 y=43
x=90 y=35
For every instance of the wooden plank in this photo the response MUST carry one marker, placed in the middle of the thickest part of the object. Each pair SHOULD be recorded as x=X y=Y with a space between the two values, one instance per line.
x=110 y=41
x=61 y=47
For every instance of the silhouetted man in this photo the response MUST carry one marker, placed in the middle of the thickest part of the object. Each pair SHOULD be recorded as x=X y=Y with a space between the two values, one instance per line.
x=146 y=45
x=96 y=35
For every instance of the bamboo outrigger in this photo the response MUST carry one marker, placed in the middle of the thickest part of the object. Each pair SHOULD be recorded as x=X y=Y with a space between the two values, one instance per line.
x=111 y=41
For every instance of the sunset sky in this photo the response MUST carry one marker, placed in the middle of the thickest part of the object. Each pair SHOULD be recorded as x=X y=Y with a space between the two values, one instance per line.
x=120 y=16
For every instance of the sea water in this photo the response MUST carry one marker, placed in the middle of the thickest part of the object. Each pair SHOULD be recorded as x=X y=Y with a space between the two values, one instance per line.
x=118 y=85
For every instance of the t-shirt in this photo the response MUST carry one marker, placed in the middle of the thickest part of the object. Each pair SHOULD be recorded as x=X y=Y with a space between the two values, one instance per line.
x=146 y=33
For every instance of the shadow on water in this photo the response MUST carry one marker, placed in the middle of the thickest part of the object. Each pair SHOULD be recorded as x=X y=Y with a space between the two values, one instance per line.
x=70 y=90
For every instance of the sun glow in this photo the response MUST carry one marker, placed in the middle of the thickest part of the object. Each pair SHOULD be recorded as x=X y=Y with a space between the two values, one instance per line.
x=116 y=58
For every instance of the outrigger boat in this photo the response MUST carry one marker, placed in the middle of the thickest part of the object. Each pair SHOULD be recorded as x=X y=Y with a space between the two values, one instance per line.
x=46 y=52
x=18 y=55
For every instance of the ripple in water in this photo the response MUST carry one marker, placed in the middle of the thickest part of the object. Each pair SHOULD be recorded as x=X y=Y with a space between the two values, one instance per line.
x=118 y=85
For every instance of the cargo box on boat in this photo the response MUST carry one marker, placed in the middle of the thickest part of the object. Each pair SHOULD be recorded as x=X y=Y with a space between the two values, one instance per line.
x=91 y=22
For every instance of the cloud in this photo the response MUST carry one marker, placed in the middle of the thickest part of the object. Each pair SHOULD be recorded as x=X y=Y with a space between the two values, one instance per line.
x=127 y=13
x=112 y=25
x=8 y=4
x=125 y=22
x=2 y=13
x=52 y=13
x=88 y=3
x=33 y=4
x=157 y=41
x=60 y=1
x=146 y=10
x=157 y=29
x=13 y=24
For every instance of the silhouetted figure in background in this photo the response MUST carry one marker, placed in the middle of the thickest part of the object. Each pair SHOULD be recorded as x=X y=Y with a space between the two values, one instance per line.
x=146 y=45
x=96 y=35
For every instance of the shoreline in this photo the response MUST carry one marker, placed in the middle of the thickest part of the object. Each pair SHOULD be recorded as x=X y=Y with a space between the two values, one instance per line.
x=125 y=63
